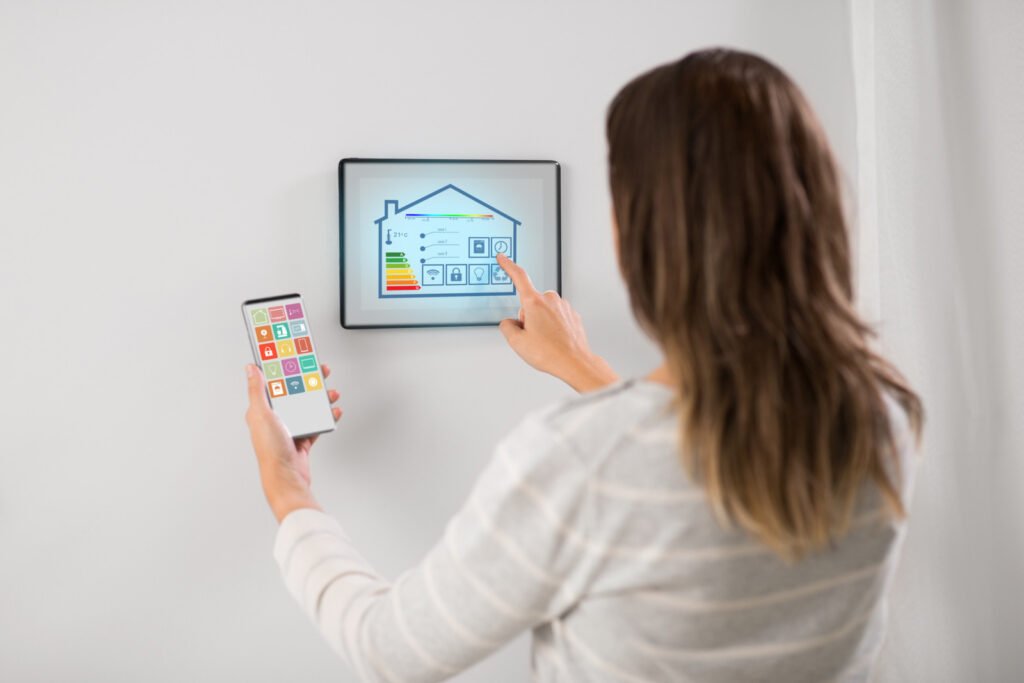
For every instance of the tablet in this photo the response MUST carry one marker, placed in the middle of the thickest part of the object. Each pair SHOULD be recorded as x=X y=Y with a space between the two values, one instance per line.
x=419 y=239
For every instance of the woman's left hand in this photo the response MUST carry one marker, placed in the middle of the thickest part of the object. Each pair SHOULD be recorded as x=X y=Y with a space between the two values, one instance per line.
x=283 y=461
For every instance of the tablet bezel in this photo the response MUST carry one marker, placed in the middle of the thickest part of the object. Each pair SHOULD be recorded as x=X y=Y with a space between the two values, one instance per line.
x=341 y=229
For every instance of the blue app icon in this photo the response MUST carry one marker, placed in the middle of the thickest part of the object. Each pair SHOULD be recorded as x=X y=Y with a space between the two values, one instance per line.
x=295 y=385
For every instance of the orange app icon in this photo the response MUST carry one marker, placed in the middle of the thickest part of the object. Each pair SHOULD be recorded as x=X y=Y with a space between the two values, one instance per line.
x=263 y=334
x=276 y=387
x=285 y=348
x=267 y=351
x=313 y=381
x=303 y=345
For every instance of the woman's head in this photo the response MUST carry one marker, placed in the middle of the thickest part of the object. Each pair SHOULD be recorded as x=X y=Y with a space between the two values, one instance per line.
x=734 y=246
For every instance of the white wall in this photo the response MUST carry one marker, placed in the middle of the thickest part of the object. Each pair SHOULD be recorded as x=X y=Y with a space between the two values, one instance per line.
x=161 y=162
x=950 y=111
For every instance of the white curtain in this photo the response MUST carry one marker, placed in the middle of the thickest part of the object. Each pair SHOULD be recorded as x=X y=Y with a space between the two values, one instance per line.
x=940 y=124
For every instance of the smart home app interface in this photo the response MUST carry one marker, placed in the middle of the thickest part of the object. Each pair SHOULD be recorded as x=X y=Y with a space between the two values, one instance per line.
x=421 y=239
x=284 y=345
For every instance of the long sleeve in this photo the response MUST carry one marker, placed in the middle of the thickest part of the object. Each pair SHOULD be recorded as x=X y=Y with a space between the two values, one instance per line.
x=514 y=556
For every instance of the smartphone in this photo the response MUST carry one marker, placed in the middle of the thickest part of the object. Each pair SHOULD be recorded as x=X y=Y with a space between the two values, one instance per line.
x=282 y=345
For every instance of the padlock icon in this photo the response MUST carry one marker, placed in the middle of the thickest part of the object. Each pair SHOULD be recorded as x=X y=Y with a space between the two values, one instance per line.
x=268 y=352
x=456 y=275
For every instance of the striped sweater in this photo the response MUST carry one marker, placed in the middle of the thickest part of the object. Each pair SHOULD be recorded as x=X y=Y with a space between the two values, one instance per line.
x=585 y=529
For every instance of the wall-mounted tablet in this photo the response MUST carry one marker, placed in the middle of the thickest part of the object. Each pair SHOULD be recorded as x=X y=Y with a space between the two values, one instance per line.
x=419 y=238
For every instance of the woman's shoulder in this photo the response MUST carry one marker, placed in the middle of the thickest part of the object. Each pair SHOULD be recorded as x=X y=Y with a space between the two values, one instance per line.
x=588 y=427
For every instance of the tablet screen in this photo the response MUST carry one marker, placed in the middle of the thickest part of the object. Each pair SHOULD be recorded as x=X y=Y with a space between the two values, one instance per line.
x=419 y=239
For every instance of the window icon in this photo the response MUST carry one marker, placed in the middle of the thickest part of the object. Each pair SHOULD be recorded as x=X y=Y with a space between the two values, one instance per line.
x=281 y=331
x=267 y=351
x=263 y=334
x=259 y=316
x=276 y=388
x=276 y=314
x=313 y=381
x=479 y=247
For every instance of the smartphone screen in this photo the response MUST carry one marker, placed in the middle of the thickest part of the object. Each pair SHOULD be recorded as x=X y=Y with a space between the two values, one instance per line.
x=282 y=344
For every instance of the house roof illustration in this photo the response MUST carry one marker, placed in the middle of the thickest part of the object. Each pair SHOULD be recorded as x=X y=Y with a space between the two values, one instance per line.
x=392 y=209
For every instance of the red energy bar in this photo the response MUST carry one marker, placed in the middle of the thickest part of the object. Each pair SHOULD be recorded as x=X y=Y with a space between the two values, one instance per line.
x=392 y=288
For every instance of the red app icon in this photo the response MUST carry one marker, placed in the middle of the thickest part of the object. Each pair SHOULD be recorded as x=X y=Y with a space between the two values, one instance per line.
x=276 y=314
x=267 y=351
x=302 y=345
x=263 y=334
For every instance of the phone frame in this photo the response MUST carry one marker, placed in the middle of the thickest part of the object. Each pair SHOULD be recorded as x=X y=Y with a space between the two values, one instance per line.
x=254 y=348
x=341 y=229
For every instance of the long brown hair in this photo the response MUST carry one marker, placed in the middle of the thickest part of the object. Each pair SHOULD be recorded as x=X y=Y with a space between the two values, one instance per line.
x=734 y=246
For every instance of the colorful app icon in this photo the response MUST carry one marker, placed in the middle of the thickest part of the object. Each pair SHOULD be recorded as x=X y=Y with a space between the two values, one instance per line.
x=298 y=328
x=259 y=316
x=281 y=331
x=294 y=311
x=267 y=351
x=295 y=385
x=308 y=363
x=272 y=370
x=276 y=388
x=313 y=381
x=303 y=345
x=276 y=314
x=285 y=348
x=290 y=366
x=263 y=334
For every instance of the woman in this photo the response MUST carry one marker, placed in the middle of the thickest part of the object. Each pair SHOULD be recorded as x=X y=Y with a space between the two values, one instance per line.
x=733 y=516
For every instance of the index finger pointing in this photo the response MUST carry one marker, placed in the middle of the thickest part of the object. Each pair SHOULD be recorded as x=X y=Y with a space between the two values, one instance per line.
x=516 y=273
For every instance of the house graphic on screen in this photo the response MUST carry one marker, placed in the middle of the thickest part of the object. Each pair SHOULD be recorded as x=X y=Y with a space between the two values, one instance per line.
x=444 y=244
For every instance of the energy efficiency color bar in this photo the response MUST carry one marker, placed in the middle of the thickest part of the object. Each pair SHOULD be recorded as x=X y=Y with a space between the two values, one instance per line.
x=449 y=215
x=399 y=274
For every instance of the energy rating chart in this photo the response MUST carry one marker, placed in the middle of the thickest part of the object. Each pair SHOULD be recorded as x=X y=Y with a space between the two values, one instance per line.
x=398 y=274
x=444 y=244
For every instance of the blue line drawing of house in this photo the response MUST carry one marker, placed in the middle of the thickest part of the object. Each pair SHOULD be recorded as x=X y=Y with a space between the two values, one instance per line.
x=443 y=244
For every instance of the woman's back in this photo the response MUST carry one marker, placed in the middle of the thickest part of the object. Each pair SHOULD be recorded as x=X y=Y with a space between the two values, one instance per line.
x=667 y=593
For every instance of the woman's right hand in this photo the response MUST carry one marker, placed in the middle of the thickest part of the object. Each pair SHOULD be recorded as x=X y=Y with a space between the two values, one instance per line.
x=549 y=335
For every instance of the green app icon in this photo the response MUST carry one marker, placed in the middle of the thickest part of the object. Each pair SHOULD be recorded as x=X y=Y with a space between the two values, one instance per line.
x=308 y=363
x=259 y=316
x=281 y=331
x=272 y=370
